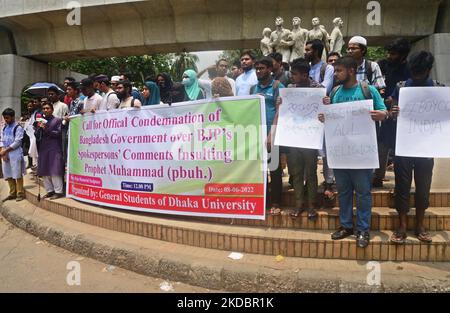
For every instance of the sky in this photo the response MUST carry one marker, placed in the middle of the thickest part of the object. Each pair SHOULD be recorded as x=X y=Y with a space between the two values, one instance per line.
x=206 y=58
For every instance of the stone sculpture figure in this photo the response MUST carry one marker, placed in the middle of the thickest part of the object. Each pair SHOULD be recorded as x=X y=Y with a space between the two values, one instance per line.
x=319 y=32
x=336 y=37
x=280 y=40
x=299 y=36
x=265 y=46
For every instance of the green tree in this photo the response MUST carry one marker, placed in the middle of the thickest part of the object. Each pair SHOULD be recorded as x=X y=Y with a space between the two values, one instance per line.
x=376 y=53
x=181 y=62
x=138 y=67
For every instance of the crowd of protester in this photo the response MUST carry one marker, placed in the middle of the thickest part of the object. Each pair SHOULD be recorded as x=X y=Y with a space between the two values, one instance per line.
x=346 y=78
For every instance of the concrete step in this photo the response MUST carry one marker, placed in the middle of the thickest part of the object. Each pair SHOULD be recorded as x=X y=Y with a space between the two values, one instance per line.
x=212 y=269
x=380 y=198
x=436 y=219
x=257 y=240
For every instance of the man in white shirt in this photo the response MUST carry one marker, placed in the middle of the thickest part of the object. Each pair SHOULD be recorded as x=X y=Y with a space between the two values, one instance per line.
x=60 y=109
x=248 y=78
x=93 y=100
x=368 y=71
x=218 y=70
x=222 y=70
x=110 y=100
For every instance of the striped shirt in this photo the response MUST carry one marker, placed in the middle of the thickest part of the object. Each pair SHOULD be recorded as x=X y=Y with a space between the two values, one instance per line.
x=376 y=80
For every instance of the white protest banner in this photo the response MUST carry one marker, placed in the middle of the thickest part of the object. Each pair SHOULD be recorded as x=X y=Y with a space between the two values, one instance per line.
x=350 y=135
x=423 y=125
x=298 y=125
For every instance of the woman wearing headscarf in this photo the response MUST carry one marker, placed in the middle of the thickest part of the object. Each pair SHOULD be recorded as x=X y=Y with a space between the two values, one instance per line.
x=220 y=87
x=151 y=95
x=170 y=92
x=192 y=89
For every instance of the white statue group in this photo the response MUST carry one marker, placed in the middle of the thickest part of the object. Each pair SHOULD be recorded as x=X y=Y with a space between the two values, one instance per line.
x=291 y=44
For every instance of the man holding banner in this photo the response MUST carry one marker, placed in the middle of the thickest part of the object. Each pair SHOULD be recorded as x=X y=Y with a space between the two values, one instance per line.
x=349 y=177
x=422 y=121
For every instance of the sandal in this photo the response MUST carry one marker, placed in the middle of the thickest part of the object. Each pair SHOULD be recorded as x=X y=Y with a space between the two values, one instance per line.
x=424 y=237
x=275 y=211
x=398 y=237
x=329 y=192
x=296 y=213
x=312 y=215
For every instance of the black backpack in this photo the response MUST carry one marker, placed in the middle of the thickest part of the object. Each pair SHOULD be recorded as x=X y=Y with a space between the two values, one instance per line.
x=25 y=140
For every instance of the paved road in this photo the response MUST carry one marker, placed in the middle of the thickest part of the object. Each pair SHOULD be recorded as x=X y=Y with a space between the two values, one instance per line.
x=30 y=265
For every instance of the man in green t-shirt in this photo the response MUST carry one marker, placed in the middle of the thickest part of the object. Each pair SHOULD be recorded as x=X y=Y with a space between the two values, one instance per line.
x=354 y=180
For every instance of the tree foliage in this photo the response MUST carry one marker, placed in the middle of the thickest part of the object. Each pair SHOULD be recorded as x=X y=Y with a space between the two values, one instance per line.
x=376 y=53
x=138 y=67
x=181 y=62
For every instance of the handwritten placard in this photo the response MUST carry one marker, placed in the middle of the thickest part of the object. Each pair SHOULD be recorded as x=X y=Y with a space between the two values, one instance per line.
x=350 y=135
x=298 y=125
x=423 y=127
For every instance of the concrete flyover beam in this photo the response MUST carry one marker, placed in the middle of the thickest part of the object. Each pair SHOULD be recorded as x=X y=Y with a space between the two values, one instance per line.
x=20 y=72
x=439 y=45
x=115 y=27
x=443 y=20
x=7 y=44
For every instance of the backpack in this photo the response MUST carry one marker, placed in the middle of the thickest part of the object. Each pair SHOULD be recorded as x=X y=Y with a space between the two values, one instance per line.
x=364 y=86
x=275 y=86
x=323 y=69
x=435 y=84
x=369 y=71
x=25 y=139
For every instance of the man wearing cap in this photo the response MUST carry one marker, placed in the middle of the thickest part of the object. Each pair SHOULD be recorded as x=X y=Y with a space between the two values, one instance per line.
x=114 y=81
x=367 y=70
x=93 y=100
x=110 y=100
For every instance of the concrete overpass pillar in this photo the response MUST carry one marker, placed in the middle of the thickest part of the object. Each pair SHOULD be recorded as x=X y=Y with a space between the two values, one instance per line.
x=439 y=45
x=16 y=72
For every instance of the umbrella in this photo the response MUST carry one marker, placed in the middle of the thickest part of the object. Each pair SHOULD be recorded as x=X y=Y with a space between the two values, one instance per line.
x=40 y=89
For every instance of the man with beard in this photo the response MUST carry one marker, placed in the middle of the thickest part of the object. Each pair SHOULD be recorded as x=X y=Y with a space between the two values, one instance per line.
x=395 y=69
x=170 y=92
x=124 y=89
x=320 y=71
x=248 y=78
x=51 y=163
x=349 y=181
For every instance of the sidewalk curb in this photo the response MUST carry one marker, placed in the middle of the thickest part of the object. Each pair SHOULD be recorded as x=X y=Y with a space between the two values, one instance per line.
x=200 y=272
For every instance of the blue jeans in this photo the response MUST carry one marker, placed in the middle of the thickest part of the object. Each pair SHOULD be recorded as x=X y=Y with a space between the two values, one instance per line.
x=359 y=181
